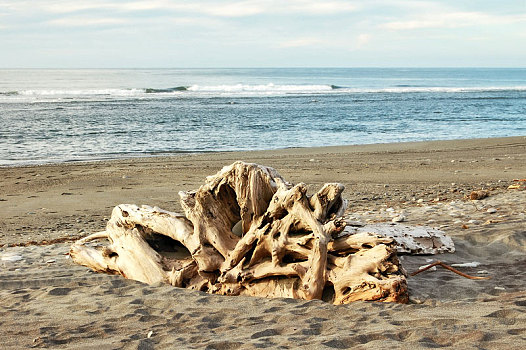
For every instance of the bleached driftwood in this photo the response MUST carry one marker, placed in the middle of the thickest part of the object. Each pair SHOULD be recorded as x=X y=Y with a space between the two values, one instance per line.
x=409 y=239
x=247 y=231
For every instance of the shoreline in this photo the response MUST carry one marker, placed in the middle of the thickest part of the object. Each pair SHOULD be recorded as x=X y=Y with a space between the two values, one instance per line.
x=47 y=301
x=366 y=147
x=51 y=198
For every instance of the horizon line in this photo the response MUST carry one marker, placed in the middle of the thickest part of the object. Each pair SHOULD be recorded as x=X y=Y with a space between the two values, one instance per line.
x=274 y=67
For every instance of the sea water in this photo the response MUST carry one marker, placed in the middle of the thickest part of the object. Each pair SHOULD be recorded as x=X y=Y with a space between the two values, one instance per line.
x=87 y=114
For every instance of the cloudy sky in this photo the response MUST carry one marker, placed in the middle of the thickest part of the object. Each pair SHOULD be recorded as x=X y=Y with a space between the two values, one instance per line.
x=261 y=33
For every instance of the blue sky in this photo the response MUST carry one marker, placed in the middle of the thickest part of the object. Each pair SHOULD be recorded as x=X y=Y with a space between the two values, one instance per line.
x=261 y=33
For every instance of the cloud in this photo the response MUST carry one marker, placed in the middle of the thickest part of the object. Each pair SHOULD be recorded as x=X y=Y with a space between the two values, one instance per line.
x=452 y=20
x=71 y=6
x=201 y=22
x=300 y=42
x=232 y=8
x=86 y=22
x=208 y=14
x=349 y=41
x=314 y=7
x=362 y=40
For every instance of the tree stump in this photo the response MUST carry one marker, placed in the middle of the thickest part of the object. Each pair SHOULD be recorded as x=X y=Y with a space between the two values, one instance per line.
x=247 y=231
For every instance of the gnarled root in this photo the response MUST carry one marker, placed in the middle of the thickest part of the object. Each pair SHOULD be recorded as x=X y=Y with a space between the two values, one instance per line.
x=247 y=231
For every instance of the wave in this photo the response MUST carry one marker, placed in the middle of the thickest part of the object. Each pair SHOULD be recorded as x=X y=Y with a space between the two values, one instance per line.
x=163 y=91
x=261 y=88
x=408 y=85
x=241 y=90
x=269 y=89
x=409 y=88
x=193 y=90
x=79 y=92
x=326 y=88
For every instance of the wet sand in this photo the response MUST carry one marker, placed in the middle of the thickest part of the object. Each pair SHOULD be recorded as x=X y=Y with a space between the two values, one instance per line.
x=47 y=301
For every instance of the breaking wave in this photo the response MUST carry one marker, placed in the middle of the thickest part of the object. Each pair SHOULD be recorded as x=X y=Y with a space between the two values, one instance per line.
x=264 y=88
x=164 y=91
x=253 y=90
x=87 y=92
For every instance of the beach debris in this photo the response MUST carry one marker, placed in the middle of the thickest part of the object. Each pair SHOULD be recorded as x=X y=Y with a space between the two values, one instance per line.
x=415 y=301
x=399 y=218
x=491 y=221
x=247 y=231
x=468 y=264
x=409 y=239
x=478 y=195
x=11 y=257
x=440 y=263
x=434 y=268
x=520 y=184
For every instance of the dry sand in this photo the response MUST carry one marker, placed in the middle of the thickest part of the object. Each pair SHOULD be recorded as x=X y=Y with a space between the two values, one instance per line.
x=47 y=301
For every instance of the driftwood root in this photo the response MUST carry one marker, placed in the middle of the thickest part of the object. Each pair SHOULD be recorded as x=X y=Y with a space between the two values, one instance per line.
x=247 y=231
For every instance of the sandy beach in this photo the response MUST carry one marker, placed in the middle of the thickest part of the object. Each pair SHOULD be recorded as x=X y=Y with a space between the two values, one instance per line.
x=49 y=302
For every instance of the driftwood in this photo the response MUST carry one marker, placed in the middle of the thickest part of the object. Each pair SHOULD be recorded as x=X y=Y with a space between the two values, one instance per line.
x=247 y=231
x=414 y=240
x=447 y=267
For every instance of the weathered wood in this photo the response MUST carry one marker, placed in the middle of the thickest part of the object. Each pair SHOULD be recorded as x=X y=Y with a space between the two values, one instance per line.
x=247 y=231
x=409 y=239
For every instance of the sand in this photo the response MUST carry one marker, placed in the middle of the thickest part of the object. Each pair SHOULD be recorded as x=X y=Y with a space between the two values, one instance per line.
x=47 y=301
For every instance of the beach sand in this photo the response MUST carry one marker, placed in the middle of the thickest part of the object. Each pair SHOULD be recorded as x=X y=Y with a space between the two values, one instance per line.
x=47 y=301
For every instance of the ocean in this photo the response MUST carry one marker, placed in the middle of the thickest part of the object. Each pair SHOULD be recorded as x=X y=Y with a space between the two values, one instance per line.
x=51 y=116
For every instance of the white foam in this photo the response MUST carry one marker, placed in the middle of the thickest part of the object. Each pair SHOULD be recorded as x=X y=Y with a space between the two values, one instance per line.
x=447 y=89
x=260 y=88
x=88 y=92
x=52 y=95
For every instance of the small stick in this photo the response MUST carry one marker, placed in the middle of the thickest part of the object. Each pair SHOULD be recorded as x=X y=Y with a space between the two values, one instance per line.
x=476 y=208
x=440 y=263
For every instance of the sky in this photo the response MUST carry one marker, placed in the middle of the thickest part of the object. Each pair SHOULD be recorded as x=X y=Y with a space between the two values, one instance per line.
x=261 y=33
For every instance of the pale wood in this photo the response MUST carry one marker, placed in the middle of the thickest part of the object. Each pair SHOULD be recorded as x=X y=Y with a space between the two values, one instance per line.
x=416 y=240
x=247 y=231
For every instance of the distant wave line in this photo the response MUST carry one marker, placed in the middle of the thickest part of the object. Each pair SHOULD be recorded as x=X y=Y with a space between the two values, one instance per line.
x=62 y=92
x=260 y=89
